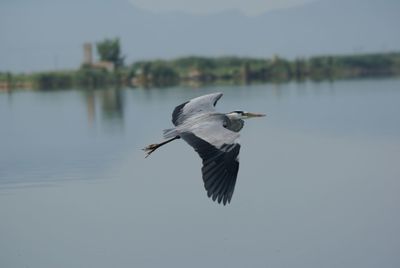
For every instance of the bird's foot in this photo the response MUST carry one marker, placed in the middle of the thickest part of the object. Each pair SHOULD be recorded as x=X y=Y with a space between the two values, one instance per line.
x=150 y=149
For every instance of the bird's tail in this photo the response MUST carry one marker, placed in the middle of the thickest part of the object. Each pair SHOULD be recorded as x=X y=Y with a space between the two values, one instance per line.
x=170 y=133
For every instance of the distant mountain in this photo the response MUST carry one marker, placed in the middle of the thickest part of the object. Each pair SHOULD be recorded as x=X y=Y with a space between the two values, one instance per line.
x=45 y=34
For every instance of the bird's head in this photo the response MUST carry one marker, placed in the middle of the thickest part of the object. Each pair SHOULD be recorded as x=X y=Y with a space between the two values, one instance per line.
x=243 y=115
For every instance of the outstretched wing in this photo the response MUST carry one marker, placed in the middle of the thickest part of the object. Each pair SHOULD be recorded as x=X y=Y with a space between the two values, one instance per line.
x=202 y=104
x=219 y=149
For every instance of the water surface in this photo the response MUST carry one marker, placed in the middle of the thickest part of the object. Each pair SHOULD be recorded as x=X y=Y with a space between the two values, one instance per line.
x=318 y=184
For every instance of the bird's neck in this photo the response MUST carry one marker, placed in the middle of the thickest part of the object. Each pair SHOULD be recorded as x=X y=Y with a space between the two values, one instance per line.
x=233 y=124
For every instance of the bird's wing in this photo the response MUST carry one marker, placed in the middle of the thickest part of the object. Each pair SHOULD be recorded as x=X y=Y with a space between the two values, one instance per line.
x=202 y=104
x=219 y=149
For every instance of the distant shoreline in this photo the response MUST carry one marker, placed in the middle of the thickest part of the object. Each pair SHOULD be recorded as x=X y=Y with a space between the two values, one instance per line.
x=207 y=70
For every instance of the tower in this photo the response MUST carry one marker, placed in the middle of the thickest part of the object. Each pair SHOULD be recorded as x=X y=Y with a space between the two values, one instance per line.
x=87 y=54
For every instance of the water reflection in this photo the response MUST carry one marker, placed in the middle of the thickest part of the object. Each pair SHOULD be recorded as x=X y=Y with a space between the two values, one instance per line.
x=318 y=183
x=90 y=106
x=111 y=103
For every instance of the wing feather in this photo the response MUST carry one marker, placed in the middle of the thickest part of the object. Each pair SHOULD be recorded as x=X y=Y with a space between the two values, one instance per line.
x=219 y=149
x=196 y=106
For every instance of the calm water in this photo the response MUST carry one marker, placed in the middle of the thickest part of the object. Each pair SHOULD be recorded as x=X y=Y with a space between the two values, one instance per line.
x=318 y=186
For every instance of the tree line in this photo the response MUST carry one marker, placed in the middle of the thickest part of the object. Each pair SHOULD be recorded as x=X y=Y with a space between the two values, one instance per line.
x=227 y=69
x=236 y=69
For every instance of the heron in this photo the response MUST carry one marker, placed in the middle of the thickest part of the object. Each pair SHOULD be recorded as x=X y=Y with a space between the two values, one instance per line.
x=214 y=136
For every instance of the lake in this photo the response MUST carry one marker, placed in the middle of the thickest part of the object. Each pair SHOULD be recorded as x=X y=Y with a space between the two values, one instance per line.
x=318 y=185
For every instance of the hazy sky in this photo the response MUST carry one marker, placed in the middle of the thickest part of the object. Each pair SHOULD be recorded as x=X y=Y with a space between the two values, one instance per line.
x=249 y=7
x=48 y=34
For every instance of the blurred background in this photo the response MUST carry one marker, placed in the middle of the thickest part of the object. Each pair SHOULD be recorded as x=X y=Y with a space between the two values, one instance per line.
x=45 y=35
x=85 y=85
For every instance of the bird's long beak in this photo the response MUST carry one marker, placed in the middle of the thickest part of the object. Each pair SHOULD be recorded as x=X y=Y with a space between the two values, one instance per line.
x=249 y=115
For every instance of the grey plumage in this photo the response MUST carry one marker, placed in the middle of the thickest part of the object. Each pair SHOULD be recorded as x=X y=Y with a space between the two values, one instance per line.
x=214 y=136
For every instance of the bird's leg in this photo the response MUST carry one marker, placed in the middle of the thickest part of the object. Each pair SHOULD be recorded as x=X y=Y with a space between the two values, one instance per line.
x=152 y=147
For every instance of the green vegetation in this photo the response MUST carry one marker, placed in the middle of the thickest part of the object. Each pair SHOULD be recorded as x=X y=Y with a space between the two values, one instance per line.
x=90 y=75
x=156 y=73
x=238 y=70
x=198 y=70
x=110 y=50
x=84 y=77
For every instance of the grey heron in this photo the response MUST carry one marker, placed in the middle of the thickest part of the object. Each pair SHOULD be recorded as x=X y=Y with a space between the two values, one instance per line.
x=214 y=136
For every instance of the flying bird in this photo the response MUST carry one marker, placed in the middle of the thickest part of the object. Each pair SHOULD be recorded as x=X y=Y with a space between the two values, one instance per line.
x=214 y=136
